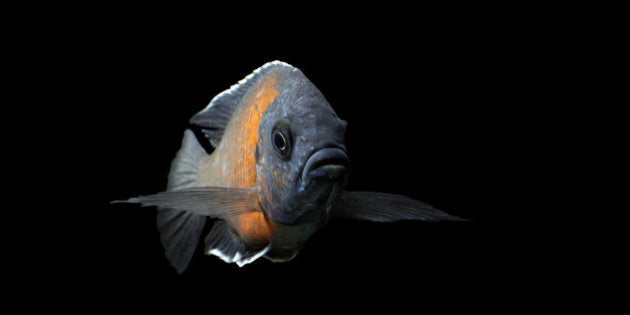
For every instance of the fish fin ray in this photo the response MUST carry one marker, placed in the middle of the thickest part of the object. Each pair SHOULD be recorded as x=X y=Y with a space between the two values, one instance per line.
x=215 y=117
x=214 y=202
x=224 y=243
x=185 y=165
x=384 y=207
x=179 y=233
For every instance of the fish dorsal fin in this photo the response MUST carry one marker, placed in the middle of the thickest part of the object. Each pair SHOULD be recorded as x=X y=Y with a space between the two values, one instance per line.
x=215 y=117
x=184 y=166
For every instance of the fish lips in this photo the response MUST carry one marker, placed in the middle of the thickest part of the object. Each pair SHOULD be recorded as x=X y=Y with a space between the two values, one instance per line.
x=325 y=165
x=323 y=178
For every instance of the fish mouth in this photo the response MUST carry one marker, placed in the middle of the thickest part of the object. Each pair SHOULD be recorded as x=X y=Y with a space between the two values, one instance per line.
x=328 y=164
x=322 y=178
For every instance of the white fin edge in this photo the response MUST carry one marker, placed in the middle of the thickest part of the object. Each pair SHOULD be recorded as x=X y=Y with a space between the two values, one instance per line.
x=237 y=86
x=238 y=258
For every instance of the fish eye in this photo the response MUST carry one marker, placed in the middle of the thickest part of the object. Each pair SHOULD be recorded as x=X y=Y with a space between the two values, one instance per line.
x=281 y=138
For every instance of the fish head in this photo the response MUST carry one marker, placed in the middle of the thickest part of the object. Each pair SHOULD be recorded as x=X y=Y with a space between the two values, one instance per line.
x=301 y=159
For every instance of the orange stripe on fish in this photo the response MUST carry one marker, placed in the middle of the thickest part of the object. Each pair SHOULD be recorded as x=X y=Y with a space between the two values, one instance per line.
x=253 y=228
x=258 y=103
x=234 y=163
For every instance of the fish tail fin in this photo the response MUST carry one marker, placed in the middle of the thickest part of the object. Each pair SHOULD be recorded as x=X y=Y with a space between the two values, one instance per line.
x=180 y=231
x=224 y=243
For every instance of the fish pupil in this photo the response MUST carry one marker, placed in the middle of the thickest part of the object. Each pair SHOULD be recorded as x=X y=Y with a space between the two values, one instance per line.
x=280 y=141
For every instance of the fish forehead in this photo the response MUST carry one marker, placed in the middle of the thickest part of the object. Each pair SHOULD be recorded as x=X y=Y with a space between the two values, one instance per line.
x=305 y=107
x=297 y=95
x=278 y=93
x=311 y=116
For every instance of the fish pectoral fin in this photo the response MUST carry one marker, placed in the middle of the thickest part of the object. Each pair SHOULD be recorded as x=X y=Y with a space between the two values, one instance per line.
x=214 y=202
x=225 y=244
x=383 y=207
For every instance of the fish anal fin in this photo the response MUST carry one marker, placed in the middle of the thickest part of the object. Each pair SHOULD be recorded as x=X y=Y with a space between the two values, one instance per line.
x=223 y=242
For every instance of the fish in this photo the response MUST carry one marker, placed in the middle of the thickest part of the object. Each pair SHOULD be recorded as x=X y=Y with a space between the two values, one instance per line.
x=275 y=174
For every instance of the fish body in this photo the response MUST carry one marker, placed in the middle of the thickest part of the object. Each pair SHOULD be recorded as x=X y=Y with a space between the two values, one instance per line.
x=277 y=174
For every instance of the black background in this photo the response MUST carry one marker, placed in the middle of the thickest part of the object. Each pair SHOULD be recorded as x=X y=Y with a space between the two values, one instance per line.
x=434 y=112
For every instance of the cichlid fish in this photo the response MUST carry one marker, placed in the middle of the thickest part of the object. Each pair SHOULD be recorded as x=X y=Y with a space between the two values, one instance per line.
x=276 y=175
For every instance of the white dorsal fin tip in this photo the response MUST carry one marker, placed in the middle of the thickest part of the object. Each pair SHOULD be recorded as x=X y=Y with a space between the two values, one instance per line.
x=276 y=63
x=273 y=63
x=233 y=88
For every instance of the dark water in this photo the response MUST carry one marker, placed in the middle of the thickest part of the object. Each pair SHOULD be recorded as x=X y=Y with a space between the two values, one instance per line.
x=431 y=121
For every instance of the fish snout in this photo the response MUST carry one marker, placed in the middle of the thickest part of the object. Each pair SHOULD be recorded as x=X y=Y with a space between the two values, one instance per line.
x=328 y=164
